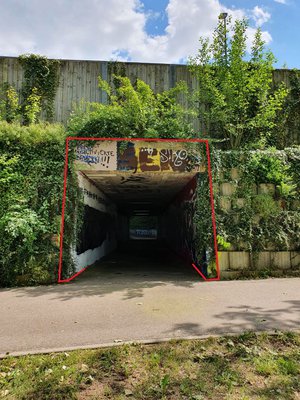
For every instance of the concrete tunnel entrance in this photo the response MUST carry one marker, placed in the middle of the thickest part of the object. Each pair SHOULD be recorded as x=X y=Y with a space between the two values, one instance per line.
x=139 y=201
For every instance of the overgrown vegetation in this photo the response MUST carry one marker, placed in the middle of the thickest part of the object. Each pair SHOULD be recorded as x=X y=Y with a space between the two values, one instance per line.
x=133 y=111
x=9 y=103
x=259 y=210
x=31 y=181
x=32 y=161
x=264 y=212
x=41 y=83
x=236 y=100
x=290 y=133
x=37 y=95
x=143 y=222
x=248 y=366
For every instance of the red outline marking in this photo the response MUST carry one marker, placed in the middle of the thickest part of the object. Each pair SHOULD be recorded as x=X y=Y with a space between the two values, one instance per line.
x=217 y=278
x=136 y=139
x=73 y=276
x=203 y=276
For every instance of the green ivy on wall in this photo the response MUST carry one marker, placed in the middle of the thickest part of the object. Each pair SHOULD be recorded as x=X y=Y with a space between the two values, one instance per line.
x=41 y=77
x=262 y=212
x=292 y=111
x=31 y=182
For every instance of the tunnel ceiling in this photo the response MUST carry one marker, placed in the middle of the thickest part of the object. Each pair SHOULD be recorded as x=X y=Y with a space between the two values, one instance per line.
x=140 y=175
x=140 y=191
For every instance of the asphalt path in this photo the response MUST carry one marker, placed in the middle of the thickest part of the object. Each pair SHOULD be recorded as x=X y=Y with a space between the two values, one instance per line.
x=108 y=305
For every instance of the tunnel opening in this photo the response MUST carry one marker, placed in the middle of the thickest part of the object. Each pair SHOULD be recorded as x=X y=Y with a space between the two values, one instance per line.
x=143 y=226
x=139 y=206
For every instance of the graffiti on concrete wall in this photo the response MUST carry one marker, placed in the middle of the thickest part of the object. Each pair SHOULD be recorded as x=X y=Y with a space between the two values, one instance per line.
x=140 y=158
x=137 y=157
x=102 y=156
x=148 y=159
x=94 y=196
x=173 y=158
x=132 y=178
x=127 y=159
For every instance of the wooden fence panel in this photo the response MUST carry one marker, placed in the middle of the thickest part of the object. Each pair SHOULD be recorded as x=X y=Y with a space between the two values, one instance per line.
x=78 y=81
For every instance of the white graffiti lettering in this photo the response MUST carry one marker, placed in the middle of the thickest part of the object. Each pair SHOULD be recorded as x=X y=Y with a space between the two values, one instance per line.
x=176 y=157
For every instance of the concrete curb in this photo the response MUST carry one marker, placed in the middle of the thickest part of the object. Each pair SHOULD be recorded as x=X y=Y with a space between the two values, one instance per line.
x=132 y=342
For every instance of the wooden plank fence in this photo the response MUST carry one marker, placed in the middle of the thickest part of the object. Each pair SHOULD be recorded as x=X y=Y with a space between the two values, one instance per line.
x=79 y=80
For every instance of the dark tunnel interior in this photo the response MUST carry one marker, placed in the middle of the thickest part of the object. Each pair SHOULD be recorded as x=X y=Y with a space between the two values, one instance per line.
x=140 y=224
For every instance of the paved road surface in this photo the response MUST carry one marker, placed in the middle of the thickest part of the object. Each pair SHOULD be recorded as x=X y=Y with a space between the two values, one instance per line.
x=106 y=304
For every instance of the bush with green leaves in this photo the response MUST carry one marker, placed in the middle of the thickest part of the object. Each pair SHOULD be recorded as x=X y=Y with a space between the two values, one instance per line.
x=31 y=182
x=272 y=167
x=9 y=103
x=133 y=111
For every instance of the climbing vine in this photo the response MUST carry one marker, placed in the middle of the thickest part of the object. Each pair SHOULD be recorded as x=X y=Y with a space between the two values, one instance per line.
x=261 y=210
x=41 y=80
x=31 y=181
x=115 y=69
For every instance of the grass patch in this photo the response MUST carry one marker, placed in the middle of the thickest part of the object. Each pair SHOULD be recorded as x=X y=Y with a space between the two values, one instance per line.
x=242 y=367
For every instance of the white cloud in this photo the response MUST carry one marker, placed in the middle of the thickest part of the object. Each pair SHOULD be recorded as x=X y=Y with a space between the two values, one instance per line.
x=280 y=1
x=91 y=29
x=187 y=21
x=260 y=16
x=102 y=30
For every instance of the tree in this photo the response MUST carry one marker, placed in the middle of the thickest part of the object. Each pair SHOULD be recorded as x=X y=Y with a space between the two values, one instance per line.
x=234 y=97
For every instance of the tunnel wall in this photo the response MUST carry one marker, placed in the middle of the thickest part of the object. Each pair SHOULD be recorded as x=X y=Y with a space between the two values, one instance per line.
x=123 y=228
x=110 y=159
x=176 y=224
x=98 y=236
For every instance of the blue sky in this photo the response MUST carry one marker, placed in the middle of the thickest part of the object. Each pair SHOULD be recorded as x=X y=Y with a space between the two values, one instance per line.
x=283 y=26
x=140 y=30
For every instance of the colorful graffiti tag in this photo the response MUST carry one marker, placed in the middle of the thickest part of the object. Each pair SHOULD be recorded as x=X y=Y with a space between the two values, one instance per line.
x=137 y=157
x=140 y=158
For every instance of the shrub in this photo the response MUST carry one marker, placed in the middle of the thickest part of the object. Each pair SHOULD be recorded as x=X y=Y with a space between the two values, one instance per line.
x=31 y=181
x=133 y=111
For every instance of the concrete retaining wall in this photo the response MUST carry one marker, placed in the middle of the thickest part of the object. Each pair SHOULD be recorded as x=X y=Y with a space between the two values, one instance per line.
x=237 y=260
